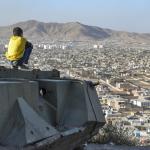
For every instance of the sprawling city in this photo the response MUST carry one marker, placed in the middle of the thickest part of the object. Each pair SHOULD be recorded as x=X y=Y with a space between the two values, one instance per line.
x=122 y=74
x=75 y=75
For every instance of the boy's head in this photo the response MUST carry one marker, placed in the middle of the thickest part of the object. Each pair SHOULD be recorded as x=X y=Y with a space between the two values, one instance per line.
x=17 y=31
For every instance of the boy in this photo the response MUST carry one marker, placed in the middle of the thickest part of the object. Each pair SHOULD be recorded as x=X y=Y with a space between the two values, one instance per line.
x=19 y=49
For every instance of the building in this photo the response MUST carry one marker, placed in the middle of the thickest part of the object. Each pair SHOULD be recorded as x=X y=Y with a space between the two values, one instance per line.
x=141 y=102
x=115 y=102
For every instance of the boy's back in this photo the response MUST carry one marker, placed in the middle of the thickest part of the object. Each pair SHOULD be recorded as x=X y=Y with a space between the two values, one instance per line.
x=19 y=49
x=16 y=48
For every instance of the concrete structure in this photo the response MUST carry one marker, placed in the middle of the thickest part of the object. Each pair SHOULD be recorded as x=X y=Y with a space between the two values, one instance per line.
x=39 y=110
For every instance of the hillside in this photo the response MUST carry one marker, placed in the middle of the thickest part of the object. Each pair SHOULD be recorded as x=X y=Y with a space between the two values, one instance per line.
x=73 y=31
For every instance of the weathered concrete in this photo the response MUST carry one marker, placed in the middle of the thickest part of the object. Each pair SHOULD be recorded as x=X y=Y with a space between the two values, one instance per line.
x=41 y=111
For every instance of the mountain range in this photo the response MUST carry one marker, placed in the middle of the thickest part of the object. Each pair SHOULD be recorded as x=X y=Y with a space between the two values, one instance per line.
x=73 y=31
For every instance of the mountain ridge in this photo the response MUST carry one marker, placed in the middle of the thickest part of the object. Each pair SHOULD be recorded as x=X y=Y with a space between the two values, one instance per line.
x=73 y=31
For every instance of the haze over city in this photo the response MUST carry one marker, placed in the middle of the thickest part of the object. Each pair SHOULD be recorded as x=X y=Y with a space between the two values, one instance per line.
x=121 y=15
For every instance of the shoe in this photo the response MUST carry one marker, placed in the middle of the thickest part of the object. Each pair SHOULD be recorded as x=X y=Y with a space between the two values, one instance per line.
x=14 y=67
x=14 y=63
x=23 y=67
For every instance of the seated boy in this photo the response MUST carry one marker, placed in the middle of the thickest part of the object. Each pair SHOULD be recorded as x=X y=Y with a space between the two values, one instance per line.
x=19 y=49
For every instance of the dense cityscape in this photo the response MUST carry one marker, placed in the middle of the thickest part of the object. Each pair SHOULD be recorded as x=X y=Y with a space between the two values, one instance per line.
x=123 y=73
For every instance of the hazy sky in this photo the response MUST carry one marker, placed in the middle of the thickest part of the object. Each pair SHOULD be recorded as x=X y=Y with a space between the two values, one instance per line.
x=129 y=15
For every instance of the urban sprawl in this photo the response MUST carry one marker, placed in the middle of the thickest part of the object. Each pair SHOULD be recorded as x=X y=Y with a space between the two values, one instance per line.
x=122 y=70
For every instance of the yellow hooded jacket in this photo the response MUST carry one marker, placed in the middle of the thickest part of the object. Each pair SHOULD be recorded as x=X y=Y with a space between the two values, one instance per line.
x=16 y=48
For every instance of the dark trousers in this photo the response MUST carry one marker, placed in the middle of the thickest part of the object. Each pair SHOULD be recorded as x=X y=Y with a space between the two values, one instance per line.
x=24 y=59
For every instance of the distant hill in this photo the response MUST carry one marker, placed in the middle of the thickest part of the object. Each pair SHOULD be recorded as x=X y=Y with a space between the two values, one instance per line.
x=73 y=31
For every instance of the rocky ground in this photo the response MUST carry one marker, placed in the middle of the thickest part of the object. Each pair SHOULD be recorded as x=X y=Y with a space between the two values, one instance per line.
x=112 y=147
